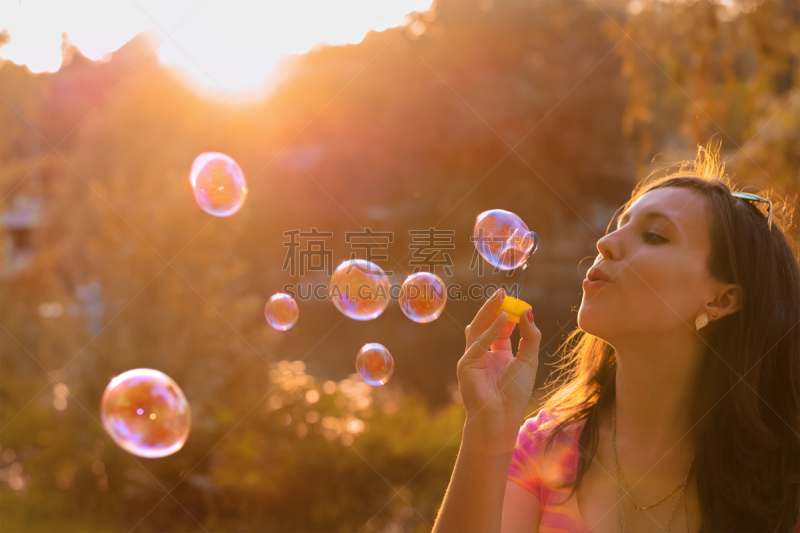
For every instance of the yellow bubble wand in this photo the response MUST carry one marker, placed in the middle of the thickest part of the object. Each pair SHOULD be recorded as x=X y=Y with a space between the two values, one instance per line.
x=514 y=307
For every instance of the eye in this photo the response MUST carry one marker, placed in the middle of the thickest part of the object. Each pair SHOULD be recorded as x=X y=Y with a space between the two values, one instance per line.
x=653 y=238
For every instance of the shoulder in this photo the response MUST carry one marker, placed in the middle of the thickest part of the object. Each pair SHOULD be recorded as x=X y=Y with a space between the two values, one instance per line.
x=537 y=429
x=531 y=446
x=540 y=419
x=526 y=461
x=552 y=464
x=533 y=464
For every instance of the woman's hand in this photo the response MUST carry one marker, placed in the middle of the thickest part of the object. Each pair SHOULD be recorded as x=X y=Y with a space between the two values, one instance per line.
x=496 y=386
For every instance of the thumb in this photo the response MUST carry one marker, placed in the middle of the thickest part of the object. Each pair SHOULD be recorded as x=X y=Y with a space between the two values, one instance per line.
x=530 y=338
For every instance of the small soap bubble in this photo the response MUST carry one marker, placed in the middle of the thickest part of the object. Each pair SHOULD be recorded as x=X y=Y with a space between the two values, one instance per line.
x=146 y=413
x=281 y=311
x=423 y=296
x=503 y=239
x=218 y=183
x=374 y=363
x=360 y=289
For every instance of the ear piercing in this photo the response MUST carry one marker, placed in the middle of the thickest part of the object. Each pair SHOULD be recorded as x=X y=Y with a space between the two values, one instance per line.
x=702 y=320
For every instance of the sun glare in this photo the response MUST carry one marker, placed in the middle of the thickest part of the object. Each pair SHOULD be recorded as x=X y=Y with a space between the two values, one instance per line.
x=233 y=45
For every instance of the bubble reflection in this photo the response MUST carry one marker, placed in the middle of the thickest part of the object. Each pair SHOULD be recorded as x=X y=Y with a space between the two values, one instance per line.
x=374 y=364
x=218 y=183
x=146 y=413
x=503 y=239
x=360 y=289
x=423 y=297
x=281 y=311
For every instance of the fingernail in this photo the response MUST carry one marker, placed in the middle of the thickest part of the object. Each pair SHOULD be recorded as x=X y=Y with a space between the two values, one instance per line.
x=502 y=293
x=529 y=315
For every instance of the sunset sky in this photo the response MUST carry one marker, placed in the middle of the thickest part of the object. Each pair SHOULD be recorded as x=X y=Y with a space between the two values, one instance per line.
x=233 y=44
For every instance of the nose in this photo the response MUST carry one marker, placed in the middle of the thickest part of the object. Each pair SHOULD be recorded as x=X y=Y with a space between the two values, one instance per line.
x=604 y=247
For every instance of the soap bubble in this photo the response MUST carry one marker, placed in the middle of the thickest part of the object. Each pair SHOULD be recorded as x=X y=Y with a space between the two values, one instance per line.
x=503 y=239
x=422 y=297
x=360 y=289
x=218 y=184
x=374 y=363
x=281 y=311
x=146 y=413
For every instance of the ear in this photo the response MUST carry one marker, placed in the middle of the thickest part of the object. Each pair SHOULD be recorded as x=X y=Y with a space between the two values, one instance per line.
x=727 y=301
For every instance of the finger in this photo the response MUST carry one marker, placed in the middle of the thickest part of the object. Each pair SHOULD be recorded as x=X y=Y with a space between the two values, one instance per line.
x=485 y=316
x=485 y=340
x=503 y=341
x=530 y=338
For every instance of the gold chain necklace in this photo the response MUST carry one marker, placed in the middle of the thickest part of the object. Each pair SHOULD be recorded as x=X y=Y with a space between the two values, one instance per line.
x=637 y=505
x=619 y=488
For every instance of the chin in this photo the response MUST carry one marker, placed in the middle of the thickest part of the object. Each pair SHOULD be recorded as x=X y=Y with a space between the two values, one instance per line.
x=593 y=320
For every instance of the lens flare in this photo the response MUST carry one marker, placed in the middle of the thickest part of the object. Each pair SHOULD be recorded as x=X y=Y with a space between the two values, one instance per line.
x=218 y=183
x=360 y=289
x=281 y=311
x=146 y=413
x=503 y=239
x=374 y=364
x=423 y=297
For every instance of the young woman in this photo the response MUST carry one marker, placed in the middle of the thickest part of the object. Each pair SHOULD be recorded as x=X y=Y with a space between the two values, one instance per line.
x=679 y=404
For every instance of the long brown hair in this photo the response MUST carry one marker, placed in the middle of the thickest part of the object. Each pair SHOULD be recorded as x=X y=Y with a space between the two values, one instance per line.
x=747 y=413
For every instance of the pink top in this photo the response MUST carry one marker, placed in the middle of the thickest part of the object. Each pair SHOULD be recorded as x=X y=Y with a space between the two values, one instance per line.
x=540 y=473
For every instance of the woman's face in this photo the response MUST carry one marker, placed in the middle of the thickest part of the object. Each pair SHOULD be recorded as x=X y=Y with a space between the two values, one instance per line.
x=657 y=266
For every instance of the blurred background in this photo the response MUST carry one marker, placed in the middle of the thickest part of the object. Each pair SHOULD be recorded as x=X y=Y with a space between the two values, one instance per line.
x=417 y=117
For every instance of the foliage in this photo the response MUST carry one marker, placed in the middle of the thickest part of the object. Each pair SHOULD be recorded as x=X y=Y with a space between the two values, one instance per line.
x=307 y=456
x=543 y=108
x=730 y=69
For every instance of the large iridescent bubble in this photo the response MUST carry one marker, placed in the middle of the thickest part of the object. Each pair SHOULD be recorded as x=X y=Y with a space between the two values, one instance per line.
x=146 y=413
x=281 y=311
x=360 y=289
x=218 y=183
x=423 y=297
x=503 y=239
x=374 y=363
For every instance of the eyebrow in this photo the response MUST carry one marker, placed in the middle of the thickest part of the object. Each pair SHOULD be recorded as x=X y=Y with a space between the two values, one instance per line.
x=648 y=216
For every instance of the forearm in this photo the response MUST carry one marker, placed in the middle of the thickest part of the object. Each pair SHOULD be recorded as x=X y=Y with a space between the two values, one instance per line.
x=474 y=499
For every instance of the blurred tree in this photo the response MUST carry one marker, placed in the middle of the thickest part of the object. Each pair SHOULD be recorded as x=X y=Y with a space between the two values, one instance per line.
x=526 y=106
x=713 y=67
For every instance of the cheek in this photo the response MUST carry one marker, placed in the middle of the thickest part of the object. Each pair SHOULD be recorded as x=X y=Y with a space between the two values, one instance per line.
x=664 y=288
x=656 y=291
